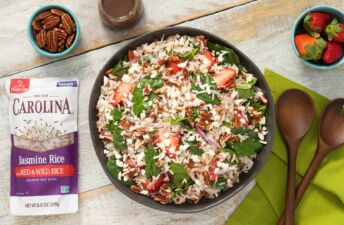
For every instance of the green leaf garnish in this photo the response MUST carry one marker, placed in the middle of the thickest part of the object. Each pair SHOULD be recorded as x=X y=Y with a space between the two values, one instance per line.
x=220 y=183
x=230 y=58
x=118 y=141
x=180 y=176
x=116 y=114
x=210 y=98
x=190 y=54
x=151 y=168
x=245 y=93
x=248 y=147
x=119 y=70
x=114 y=170
x=139 y=104
x=226 y=124
x=195 y=150
x=247 y=85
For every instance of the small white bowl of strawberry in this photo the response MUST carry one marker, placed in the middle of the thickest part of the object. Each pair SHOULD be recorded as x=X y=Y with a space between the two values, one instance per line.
x=318 y=37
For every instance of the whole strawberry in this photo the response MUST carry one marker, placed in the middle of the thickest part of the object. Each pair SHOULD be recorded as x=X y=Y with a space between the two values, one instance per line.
x=316 y=22
x=332 y=53
x=335 y=31
x=309 y=47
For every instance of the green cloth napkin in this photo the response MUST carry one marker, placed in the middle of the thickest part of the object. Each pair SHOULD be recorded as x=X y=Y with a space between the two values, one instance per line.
x=323 y=202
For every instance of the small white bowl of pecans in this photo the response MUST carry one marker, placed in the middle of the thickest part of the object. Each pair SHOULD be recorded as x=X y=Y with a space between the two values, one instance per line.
x=53 y=30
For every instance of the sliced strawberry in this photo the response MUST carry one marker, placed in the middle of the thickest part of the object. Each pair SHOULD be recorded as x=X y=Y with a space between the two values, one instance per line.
x=210 y=57
x=173 y=65
x=122 y=91
x=173 y=143
x=212 y=175
x=224 y=77
x=332 y=53
x=154 y=186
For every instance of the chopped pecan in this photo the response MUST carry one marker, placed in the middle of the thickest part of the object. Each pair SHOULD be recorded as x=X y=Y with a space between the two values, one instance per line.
x=50 y=22
x=188 y=111
x=126 y=123
x=135 y=188
x=161 y=198
x=109 y=71
x=41 y=38
x=202 y=40
x=229 y=138
x=68 y=23
x=70 y=40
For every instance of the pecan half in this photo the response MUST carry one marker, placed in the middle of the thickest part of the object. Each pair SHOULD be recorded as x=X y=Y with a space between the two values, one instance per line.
x=57 y=12
x=36 y=25
x=52 y=42
x=41 y=38
x=50 y=22
x=42 y=16
x=61 y=34
x=68 y=23
x=70 y=40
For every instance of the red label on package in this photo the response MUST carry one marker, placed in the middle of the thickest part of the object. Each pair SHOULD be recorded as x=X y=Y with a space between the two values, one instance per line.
x=19 y=85
x=63 y=170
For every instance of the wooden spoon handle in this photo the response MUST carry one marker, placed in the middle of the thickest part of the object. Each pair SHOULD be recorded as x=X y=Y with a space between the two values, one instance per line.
x=304 y=183
x=290 y=195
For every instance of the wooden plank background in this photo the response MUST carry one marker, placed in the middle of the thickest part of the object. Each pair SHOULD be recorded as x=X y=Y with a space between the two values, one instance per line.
x=261 y=29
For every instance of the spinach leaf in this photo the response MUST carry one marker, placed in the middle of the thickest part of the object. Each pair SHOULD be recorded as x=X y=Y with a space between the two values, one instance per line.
x=179 y=176
x=190 y=54
x=230 y=57
x=226 y=124
x=220 y=183
x=119 y=70
x=181 y=120
x=245 y=93
x=240 y=130
x=150 y=163
x=195 y=150
x=139 y=104
x=248 y=147
x=206 y=79
x=247 y=85
x=118 y=141
x=258 y=107
x=114 y=170
x=116 y=114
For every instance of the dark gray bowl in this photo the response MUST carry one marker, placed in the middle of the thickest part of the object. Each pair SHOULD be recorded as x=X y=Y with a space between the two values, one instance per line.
x=204 y=203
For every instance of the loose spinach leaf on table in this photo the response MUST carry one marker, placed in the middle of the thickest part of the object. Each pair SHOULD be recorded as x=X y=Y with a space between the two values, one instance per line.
x=179 y=176
x=139 y=104
x=151 y=168
x=206 y=79
x=118 y=141
x=114 y=170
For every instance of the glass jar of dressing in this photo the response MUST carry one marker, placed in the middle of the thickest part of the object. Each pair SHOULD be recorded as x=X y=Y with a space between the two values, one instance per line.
x=120 y=13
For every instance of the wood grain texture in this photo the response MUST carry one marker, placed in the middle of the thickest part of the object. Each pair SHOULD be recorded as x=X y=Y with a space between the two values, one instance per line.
x=157 y=13
x=264 y=36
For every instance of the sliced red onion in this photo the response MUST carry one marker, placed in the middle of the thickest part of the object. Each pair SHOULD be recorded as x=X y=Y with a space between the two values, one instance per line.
x=207 y=139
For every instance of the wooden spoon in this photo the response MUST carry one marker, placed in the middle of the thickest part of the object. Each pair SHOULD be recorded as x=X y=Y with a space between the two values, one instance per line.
x=330 y=136
x=295 y=112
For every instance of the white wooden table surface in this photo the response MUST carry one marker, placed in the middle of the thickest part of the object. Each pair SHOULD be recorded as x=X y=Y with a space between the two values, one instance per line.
x=260 y=28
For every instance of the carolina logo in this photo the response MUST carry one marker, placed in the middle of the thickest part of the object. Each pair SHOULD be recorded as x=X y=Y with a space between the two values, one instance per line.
x=19 y=85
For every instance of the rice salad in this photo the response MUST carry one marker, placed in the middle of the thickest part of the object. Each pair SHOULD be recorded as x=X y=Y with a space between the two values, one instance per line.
x=180 y=119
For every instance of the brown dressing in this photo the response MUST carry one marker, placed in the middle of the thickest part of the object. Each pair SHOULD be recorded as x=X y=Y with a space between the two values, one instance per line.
x=120 y=13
